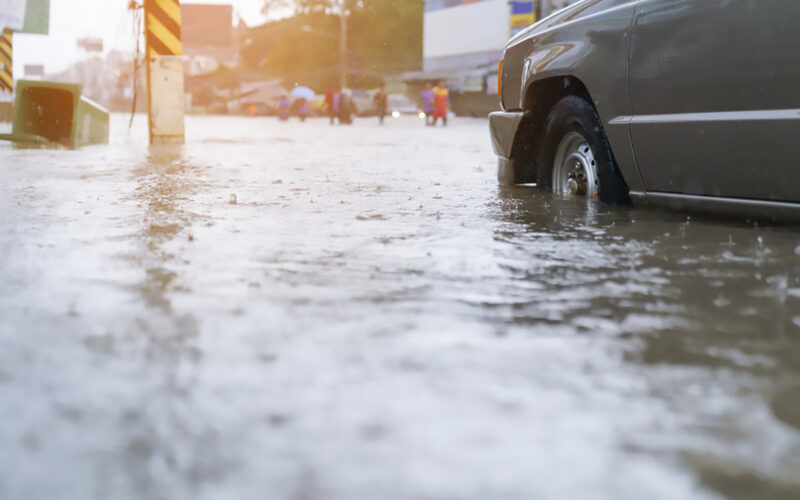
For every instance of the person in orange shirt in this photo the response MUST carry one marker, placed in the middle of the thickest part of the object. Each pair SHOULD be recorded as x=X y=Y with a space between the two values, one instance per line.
x=441 y=102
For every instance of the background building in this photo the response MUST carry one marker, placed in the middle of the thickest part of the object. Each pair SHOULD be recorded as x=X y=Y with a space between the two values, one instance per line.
x=464 y=34
x=207 y=36
x=463 y=42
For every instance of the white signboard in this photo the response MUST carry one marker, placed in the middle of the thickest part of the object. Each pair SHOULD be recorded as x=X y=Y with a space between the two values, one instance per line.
x=467 y=28
x=12 y=14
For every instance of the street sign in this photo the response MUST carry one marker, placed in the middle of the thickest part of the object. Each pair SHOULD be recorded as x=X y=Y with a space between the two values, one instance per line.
x=37 y=17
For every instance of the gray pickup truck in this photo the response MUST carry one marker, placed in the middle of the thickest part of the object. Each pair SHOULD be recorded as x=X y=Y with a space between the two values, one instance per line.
x=686 y=103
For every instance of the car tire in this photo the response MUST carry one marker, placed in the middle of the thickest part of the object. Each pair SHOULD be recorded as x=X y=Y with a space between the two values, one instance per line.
x=576 y=157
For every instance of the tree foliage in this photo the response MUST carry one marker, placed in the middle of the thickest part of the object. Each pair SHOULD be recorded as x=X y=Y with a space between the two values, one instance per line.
x=299 y=7
x=384 y=38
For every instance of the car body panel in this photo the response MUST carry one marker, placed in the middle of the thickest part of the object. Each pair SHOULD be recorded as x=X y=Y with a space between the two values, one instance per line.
x=715 y=90
x=502 y=126
x=589 y=41
x=700 y=99
x=735 y=207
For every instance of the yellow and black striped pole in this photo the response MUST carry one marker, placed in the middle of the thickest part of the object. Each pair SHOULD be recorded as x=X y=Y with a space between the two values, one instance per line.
x=165 y=102
x=163 y=24
x=6 y=62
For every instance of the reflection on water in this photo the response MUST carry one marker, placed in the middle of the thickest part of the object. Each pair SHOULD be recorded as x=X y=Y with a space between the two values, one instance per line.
x=371 y=316
x=164 y=181
x=155 y=427
x=709 y=306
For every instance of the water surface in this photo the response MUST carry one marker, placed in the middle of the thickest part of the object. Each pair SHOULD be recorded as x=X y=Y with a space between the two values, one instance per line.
x=305 y=311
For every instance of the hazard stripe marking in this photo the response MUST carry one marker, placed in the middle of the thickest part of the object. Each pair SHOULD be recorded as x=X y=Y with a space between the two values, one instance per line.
x=157 y=48
x=6 y=83
x=6 y=61
x=172 y=8
x=170 y=20
x=5 y=55
x=158 y=32
x=163 y=27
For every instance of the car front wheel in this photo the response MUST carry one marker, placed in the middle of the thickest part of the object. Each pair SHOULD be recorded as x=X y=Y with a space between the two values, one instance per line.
x=577 y=159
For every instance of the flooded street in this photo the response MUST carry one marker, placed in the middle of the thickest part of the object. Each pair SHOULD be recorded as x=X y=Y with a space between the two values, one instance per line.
x=299 y=311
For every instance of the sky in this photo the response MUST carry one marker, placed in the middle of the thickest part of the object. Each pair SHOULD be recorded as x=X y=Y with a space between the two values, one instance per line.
x=71 y=20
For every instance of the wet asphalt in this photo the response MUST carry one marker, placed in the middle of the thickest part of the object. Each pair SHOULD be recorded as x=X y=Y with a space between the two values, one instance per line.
x=300 y=311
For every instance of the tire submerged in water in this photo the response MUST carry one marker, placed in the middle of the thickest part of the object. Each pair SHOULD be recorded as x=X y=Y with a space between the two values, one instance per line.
x=576 y=156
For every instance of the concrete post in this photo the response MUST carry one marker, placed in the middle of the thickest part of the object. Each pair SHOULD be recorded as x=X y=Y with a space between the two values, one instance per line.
x=165 y=94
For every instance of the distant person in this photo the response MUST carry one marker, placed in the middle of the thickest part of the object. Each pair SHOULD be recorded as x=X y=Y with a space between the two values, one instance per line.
x=284 y=107
x=302 y=108
x=441 y=103
x=381 y=103
x=426 y=98
x=331 y=103
x=338 y=100
x=345 y=109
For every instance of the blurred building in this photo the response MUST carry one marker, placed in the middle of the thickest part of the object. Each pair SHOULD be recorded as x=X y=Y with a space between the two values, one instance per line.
x=463 y=43
x=113 y=81
x=464 y=34
x=210 y=56
x=208 y=37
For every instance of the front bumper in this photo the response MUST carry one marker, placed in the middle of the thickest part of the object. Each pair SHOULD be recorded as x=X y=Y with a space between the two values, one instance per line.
x=503 y=126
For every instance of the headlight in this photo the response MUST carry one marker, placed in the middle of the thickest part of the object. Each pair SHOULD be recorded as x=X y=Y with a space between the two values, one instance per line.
x=395 y=114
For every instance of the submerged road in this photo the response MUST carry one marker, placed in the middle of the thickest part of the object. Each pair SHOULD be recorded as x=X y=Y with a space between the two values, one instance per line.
x=299 y=311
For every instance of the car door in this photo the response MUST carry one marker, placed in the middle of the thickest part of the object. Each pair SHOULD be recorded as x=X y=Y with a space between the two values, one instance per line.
x=715 y=94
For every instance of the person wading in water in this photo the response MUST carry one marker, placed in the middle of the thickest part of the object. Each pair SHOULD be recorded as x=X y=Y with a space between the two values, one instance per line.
x=381 y=103
x=426 y=103
x=441 y=102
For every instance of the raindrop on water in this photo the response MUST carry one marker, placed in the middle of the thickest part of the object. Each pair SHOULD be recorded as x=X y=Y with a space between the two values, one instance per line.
x=721 y=301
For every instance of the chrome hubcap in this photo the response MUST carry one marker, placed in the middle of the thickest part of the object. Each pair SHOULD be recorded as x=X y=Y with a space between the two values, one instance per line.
x=574 y=187
x=574 y=168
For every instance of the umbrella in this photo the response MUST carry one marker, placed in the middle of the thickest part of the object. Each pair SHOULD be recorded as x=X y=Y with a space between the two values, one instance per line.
x=302 y=93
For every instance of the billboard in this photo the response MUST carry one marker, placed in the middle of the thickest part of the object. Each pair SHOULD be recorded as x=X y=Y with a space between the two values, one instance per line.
x=522 y=15
x=457 y=27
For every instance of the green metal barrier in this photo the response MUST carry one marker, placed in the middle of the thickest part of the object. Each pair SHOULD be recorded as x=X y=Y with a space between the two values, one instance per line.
x=55 y=113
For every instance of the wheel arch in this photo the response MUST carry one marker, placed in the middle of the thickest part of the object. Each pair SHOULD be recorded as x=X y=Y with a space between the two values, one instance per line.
x=582 y=51
x=538 y=100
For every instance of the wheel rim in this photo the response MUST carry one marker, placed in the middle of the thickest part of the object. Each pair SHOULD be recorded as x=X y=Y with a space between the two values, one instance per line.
x=574 y=167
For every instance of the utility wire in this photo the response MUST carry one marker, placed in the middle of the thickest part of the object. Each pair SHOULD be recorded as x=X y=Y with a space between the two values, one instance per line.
x=136 y=11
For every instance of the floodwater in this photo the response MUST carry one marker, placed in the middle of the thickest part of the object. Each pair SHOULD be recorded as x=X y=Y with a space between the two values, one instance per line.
x=298 y=311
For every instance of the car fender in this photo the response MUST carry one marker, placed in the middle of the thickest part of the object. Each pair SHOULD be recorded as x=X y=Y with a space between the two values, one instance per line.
x=588 y=41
